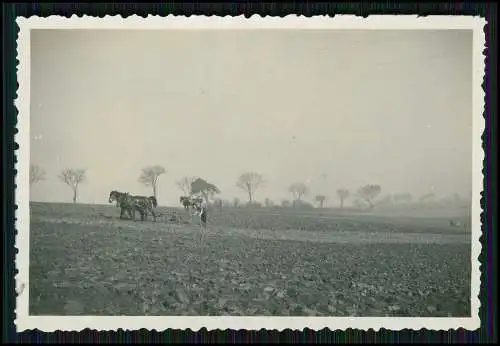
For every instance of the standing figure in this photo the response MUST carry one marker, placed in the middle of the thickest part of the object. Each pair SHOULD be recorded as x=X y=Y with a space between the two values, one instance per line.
x=203 y=215
x=201 y=211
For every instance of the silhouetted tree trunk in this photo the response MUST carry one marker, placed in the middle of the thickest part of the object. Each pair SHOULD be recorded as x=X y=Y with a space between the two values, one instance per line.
x=155 y=190
x=250 y=182
x=72 y=178
x=369 y=192
x=150 y=176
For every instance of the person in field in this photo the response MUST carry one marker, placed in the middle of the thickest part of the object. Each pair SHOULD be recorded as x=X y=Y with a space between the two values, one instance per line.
x=201 y=211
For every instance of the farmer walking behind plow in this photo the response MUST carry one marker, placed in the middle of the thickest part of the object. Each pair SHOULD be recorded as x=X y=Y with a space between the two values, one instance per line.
x=201 y=211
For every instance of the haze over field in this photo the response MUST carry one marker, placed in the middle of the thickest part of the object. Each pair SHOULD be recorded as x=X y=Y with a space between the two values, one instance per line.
x=334 y=109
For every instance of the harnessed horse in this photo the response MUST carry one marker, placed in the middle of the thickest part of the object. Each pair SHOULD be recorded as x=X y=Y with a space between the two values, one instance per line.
x=129 y=203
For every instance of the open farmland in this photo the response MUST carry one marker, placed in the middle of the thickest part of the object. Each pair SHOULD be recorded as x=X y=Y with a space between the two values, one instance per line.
x=84 y=260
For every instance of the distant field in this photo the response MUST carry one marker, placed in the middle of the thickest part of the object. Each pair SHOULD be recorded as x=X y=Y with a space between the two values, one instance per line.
x=85 y=260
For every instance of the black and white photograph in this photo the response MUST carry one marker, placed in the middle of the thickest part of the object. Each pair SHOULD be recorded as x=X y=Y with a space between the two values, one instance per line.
x=249 y=172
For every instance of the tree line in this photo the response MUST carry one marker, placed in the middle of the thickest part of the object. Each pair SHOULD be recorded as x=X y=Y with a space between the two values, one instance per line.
x=249 y=182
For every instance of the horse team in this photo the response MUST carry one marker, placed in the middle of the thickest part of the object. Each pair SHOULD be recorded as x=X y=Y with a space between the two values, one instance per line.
x=131 y=204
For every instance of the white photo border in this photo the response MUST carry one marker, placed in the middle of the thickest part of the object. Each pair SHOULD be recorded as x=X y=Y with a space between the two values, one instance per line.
x=24 y=321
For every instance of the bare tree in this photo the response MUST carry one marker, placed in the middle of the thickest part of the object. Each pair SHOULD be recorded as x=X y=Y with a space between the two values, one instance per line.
x=185 y=185
x=298 y=190
x=36 y=174
x=321 y=200
x=343 y=195
x=150 y=176
x=250 y=182
x=369 y=192
x=73 y=178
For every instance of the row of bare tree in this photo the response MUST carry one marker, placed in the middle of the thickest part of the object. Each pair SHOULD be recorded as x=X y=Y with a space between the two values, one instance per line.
x=249 y=182
x=367 y=193
x=73 y=177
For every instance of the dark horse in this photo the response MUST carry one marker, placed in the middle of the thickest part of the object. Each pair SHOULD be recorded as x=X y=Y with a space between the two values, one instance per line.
x=130 y=204
x=188 y=202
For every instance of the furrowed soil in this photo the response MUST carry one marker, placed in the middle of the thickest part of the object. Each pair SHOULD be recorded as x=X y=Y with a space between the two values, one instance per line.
x=84 y=260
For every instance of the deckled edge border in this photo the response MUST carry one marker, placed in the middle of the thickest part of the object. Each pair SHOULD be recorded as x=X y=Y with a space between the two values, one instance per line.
x=25 y=322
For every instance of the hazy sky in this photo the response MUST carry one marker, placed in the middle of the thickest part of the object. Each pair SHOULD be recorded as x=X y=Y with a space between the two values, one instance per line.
x=332 y=108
